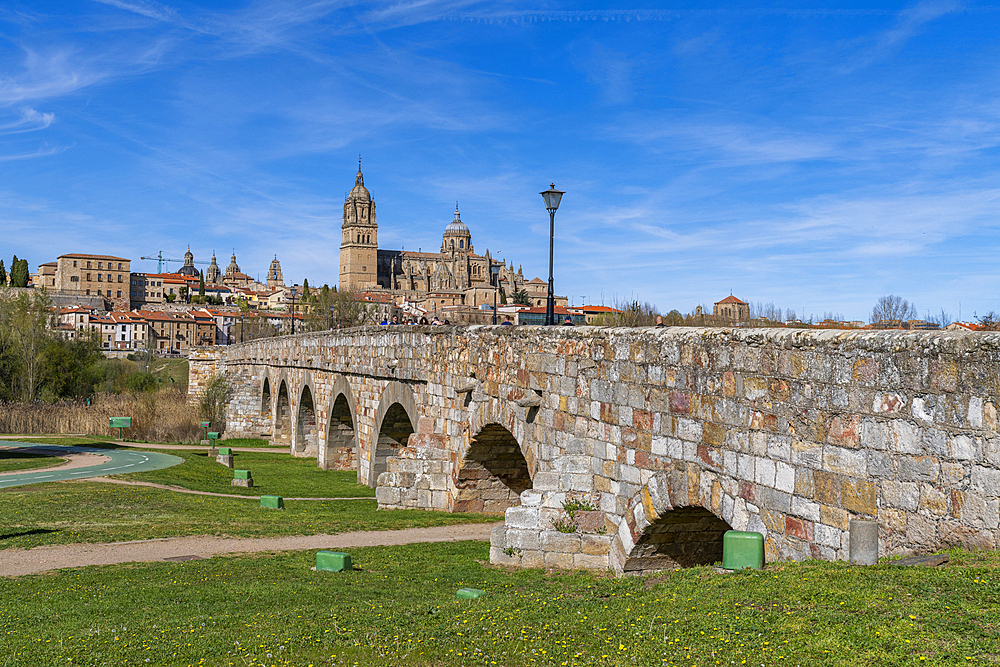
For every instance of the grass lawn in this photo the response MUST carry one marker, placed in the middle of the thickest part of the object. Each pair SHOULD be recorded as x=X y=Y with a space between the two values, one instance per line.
x=60 y=513
x=247 y=442
x=399 y=609
x=11 y=461
x=273 y=474
x=170 y=372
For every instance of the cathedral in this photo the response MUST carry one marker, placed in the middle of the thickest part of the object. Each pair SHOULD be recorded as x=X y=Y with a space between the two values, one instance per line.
x=454 y=276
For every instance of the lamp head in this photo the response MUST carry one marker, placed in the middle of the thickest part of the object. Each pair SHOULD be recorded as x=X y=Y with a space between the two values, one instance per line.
x=552 y=197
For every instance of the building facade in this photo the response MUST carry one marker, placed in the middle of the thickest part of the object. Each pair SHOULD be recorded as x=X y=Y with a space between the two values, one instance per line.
x=92 y=275
x=732 y=310
x=455 y=275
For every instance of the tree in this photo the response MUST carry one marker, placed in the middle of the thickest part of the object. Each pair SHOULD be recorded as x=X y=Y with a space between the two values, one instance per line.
x=629 y=314
x=251 y=327
x=673 y=318
x=332 y=309
x=201 y=284
x=29 y=320
x=213 y=404
x=305 y=289
x=989 y=322
x=18 y=272
x=520 y=297
x=3 y=274
x=894 y=310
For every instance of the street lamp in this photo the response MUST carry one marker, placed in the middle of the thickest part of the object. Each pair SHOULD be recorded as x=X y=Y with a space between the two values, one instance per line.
x=552 y=198
x=293 y=308
x=495 y=273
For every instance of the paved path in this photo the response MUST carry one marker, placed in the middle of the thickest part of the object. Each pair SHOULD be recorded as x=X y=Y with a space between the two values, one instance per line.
x=16 y=562
x=121 y=461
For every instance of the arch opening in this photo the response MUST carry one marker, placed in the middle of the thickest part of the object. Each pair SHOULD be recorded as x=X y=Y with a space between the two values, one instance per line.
x=265 y=398
x=282 y=431
x=493 y=473
x=305 y=424
x=341 y=445
x=682 y=537
x=393 y=433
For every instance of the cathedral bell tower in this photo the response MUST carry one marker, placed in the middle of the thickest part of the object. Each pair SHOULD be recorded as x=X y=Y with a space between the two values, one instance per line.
x=359 y=246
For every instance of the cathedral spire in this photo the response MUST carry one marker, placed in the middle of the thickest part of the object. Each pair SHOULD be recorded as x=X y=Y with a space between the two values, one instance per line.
x=359 y=179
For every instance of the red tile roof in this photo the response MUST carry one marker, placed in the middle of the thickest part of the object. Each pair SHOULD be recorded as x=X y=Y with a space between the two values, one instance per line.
x=82 y=256
x=731 y=299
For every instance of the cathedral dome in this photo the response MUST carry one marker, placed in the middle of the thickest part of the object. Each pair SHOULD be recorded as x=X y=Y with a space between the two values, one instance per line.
x=188 y=268
x=457 y=225
x=359 y=191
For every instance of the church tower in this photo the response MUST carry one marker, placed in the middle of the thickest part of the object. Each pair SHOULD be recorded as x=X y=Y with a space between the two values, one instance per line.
x=274 y=277
x=359 y=246
x=213 y=271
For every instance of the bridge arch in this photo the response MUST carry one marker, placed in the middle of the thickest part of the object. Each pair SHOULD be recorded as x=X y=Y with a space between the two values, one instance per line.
x=395 y=421
x=492 y=473
x=658 y=532
x=306 y=429
x=514 y=419
x=281 y=430
x=341 y=451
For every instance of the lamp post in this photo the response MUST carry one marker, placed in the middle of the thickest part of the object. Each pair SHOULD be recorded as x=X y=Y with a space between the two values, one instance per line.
x=294 y=287
x=552 y=197
x=495 y=274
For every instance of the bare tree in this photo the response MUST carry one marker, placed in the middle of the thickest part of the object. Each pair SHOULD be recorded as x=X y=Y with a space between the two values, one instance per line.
x=629 y=314
x=989 y=322
x=942 y=320
x=893 y=309
x=765 y=311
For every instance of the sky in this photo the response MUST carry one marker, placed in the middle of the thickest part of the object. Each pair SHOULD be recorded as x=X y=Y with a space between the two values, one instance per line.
x=816 y=157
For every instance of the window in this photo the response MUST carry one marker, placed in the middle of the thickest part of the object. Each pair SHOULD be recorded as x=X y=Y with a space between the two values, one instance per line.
x=461 y=244
x=119 y=293
x=98 y=265
x=88 y=292
x=119 y=277
x=119 y=266
x=99 y=278
x=158 y=283
x=453 y=243
x=88 y=265
x=74 y=279
x=74 y=263
x=88 y=277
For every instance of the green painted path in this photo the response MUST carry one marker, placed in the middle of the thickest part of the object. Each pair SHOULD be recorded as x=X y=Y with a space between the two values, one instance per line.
x=122 y=461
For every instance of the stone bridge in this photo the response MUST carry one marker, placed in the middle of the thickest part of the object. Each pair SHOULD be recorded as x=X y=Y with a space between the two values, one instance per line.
x=635 y=449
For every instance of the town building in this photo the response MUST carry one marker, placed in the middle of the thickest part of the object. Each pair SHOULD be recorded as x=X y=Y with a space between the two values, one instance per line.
x=78 y=274
x=732 y=310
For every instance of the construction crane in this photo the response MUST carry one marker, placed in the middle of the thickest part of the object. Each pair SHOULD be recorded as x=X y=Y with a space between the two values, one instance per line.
x=161 y=260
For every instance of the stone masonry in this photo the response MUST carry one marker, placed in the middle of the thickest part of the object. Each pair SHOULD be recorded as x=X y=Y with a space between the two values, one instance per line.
x=634 y=449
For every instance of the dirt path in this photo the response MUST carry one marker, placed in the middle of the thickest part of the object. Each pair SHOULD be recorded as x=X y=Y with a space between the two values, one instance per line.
x=17 y=562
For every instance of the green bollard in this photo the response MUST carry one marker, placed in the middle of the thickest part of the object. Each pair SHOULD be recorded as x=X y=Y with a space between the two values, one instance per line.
x=469 y=594
x=333 y=561
x=741 y=550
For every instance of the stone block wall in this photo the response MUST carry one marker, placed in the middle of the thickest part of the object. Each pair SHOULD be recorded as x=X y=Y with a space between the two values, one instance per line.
x=787 y=432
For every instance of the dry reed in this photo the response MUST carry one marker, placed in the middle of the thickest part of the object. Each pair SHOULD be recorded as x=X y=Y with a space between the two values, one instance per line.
x=164 y=416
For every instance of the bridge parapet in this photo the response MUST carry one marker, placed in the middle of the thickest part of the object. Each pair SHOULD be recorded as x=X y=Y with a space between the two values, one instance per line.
x=672 y=434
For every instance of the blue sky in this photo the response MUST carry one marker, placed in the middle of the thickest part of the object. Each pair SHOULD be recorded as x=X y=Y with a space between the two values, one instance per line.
x=817 y=157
